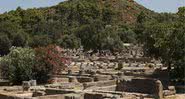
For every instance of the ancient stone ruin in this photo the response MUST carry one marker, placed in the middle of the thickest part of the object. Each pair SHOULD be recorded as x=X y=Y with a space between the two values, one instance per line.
x=102 y=75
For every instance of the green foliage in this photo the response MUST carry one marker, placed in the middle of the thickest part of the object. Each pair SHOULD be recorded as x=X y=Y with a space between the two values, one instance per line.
x=181 y=13
x=71 y=23
x=40 y=41
x=49 y=61
x=89 y=34
x=9 y=28
x=98 y=36
x=127 y=35
x=109 y=39
x=17 y=65
x=19 y=40
x=69 y=41
x=165 y=40
x=93 y=24
x=142 y=17
x=23 y=64
x=5 y=45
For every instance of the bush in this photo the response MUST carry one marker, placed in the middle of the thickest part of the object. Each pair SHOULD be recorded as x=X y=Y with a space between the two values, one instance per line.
x=19 y=40
x=17 y=65
x=69 y=41
x=5 y=45
x=40 y=41
x=48 y=61
x=23 y=64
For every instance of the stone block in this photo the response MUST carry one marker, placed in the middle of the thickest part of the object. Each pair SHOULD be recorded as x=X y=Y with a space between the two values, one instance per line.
x=99 y=84
x=83 y=79
x=93 y=96
x=159 y=89
x=142 y=85
x=72 y=96
x=72 y=79
x=33 y=83
x=39 y=93
x=102 y=77
x=26 y=85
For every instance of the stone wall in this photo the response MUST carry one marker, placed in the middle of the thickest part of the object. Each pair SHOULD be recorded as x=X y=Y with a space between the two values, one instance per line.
x=108 y=88
x=4 y=83
x=102 y=77
x=16 y=96
x=52 y=91
x=74 y=86
x=148 y=86
x=83 y=79
x=93 y=96
x=51 y=97
x=99 y=84
x=163 y=76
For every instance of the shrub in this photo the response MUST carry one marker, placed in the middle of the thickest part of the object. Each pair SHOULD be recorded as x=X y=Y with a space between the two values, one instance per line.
x=19 y=40
x=17 y=65
x=40 y=41
x=5 y=45
x=23 y=64
x=49 y=60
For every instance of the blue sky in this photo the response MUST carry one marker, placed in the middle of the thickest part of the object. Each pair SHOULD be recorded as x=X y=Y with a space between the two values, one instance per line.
x=7 y=5
x=156 y=5
x=162 y=5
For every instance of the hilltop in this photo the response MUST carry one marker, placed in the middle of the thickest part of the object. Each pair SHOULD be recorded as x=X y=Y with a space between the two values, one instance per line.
x=93 y=24
x=126 y=11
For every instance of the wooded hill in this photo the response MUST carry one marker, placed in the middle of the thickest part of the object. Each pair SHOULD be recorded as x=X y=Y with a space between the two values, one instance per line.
x=98 y=25
x=71 y=24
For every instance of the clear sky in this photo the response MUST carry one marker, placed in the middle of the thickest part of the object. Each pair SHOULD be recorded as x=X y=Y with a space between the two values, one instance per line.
x=7 y=5
x=156 y=5
x=162 y=5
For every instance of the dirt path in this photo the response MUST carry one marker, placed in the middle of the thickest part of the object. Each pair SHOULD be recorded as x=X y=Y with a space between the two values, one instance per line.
x=180 y=96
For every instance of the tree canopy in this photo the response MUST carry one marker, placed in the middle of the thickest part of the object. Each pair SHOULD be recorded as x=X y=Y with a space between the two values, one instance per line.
x=165 y=40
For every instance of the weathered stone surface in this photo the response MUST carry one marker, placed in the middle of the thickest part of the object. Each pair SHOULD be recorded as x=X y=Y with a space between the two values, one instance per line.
x=26 y=85
x=58 y=80
x=51 y=97
x=37 y=88
x=99 y=84
x=73 y=96
x=4 y=82
x=93 y=96
x=108 y=88
x=72 y=79
x=159 y=89
x=83 y=79
x=169 y=92
x=102 y=77
x=38 y=93
x=149 y=86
